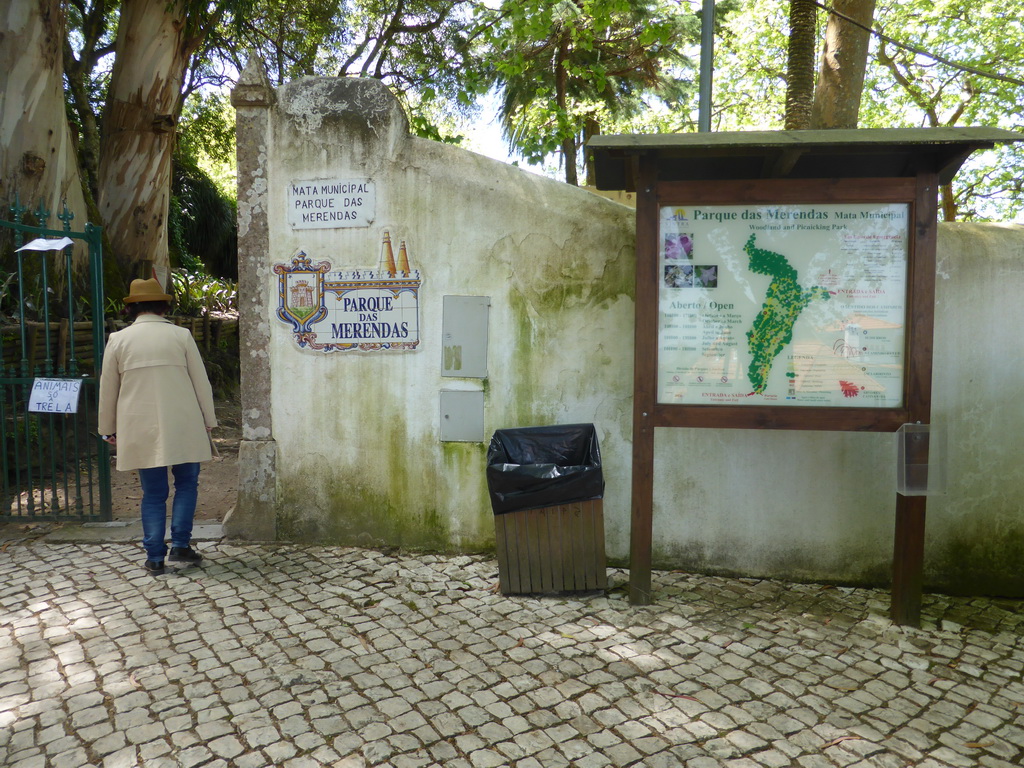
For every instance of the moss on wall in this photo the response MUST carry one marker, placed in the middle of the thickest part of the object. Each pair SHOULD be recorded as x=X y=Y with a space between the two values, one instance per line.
x=396 y=505
x=973 y=559
x=552 y=307
x=349 y=513
x=859 y=567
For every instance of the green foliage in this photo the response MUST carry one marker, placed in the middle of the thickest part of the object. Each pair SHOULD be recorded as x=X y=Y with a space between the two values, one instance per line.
x=990 y=186
x=197 y=294
x=750 y=67
x=294 y=39
x=567 y=70
x=423 y=126
x=966 y=77
x=974 y=75
x=423 y=49
x=907 y=88
x=206 y=136
x=201 y=225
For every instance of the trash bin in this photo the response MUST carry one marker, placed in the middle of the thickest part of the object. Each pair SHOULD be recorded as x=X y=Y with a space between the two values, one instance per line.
x=547 y=487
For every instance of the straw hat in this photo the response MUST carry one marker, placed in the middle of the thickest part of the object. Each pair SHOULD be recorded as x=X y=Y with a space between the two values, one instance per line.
x=146 y=290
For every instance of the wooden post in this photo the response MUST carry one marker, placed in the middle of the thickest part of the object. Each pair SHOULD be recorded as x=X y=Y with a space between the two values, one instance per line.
x=908 y=539
x=645 y=364
x=908 y=561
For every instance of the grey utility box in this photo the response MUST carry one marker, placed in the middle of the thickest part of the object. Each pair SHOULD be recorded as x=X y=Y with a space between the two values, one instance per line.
x=464 y=336
x=462 y=416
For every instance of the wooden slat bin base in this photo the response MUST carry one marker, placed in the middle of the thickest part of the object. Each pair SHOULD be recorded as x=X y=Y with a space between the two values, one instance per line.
x=552 y=549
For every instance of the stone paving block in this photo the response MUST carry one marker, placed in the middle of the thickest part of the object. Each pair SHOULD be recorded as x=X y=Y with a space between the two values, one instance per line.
x=326 y=651
x=988 y=761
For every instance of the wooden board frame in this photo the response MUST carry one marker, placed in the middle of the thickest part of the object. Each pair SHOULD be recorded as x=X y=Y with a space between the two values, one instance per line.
x=920 y=193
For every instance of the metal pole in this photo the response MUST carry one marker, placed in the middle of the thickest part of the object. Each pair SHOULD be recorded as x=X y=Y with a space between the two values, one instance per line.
x=94 y=237
x=707 y=53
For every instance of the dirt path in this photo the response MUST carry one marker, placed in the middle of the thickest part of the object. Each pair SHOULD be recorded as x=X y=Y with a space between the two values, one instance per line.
x=218 y=481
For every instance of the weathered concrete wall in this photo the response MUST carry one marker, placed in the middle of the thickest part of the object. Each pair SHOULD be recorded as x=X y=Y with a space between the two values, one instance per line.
x=356 y=435
x=345 y=447
x=975 y=538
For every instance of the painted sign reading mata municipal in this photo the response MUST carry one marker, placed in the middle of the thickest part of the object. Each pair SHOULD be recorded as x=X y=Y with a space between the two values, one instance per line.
x=370 y=309
x=331 y=203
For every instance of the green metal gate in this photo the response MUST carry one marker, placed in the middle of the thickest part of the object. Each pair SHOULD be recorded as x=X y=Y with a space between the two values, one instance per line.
x=55 y=467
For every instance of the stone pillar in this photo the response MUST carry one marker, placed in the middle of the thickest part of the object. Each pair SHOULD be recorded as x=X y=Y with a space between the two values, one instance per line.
x=255 y=516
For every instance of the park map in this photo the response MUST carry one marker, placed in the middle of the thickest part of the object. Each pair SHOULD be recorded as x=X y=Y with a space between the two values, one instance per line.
x=784 y=300
x=782 y=305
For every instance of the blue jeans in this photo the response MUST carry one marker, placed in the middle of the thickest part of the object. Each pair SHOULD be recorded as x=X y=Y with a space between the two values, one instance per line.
x=154 y=507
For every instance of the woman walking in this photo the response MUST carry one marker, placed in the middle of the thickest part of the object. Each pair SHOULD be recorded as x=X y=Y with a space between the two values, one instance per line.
x=156 y=407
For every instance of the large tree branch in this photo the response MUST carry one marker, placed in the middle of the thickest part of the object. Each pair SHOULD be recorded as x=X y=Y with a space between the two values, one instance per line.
x=380 y=41
x=922 y=52
x=908 y=86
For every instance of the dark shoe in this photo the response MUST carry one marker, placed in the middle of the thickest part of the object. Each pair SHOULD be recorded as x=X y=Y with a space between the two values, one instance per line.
x=185 y=555
x=155 y=567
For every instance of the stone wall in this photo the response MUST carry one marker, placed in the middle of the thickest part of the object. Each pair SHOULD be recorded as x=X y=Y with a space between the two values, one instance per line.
x=345 y=447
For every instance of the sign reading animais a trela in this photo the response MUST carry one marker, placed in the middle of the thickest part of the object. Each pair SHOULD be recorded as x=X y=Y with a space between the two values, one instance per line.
x=331 y=203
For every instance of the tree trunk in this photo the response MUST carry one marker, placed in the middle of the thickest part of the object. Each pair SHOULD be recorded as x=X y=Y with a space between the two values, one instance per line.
x=947 y=202
x=561 y=99
x=37 y=153
x=591 y=128
x=843 y=61
x=803 y=19
x=143 y=104
x=89 y=138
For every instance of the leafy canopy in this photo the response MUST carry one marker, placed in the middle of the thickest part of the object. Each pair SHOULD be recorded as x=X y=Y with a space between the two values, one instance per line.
x=569 y=67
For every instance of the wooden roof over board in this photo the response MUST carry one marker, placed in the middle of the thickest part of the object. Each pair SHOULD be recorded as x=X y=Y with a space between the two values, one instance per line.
x=855 y=153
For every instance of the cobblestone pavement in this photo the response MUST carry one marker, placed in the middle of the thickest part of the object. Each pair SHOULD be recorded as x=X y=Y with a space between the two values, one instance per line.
x=302 y=657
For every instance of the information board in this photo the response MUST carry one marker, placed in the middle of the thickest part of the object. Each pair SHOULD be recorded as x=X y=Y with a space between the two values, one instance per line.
x=783 y=305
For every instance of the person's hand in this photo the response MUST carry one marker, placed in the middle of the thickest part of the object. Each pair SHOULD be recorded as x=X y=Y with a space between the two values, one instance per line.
x=111 y=439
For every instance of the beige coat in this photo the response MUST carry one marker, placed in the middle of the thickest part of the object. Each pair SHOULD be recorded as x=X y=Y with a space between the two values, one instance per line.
x=155 y=396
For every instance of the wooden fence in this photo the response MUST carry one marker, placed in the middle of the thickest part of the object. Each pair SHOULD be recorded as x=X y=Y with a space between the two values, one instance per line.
x=208 y=332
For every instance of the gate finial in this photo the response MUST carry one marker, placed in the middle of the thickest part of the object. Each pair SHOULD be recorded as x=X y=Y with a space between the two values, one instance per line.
x=17 y=209
x=66 y=215
x=42 y=215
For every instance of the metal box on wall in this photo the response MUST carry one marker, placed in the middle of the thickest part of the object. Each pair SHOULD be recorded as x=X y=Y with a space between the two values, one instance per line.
x=464 y=336
x=462 y=416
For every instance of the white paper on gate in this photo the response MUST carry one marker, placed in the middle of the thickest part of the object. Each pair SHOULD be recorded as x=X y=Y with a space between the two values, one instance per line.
x=42 y=244
x=54 y=395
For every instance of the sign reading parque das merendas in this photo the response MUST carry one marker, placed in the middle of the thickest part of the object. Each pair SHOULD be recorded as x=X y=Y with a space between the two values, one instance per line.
x=331 y=203
x=339 y=310
x=783 y=305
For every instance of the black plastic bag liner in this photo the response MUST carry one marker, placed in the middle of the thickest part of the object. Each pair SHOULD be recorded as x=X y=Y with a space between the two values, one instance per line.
x=533 y=467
